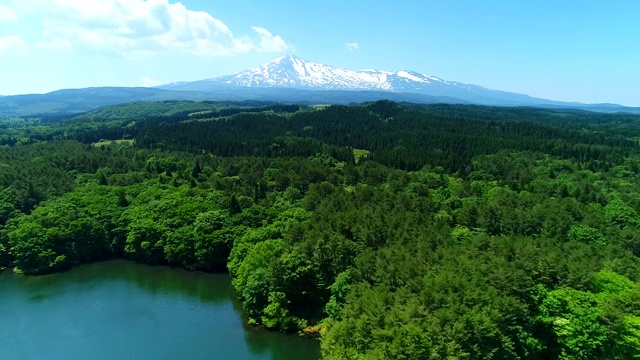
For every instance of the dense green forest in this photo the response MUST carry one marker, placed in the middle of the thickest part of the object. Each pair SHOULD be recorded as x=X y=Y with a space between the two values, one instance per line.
x=392 y=231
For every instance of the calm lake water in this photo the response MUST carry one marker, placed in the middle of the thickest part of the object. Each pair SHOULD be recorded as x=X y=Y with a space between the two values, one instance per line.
x=122 y=310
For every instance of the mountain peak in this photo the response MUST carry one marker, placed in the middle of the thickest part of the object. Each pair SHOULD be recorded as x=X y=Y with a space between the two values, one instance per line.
x=294 y=72
x=287 y=58
x=290 y=71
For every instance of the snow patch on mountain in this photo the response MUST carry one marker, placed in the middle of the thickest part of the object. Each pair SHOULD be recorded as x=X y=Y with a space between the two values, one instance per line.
x=407 y=75
x=291 y=71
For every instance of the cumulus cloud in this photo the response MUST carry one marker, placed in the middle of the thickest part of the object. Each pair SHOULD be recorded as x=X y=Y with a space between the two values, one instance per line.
x=13 y=44
x=352 y=46
x=268 y=42
x=7 y=14
x=139 y=27
x=148 y=81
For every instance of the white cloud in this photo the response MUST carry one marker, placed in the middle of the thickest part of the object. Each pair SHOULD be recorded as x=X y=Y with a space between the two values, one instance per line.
x=268 y=42
x=139 y=27
x=7 y=14
x=13 y=44
x=352 y=46
x=148 y=81
x=57 y=44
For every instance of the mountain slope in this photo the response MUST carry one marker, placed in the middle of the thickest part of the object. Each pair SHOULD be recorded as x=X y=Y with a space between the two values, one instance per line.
x=73 y=101
x=70 y=101
x=293 y=72
x=64 y=103
x=288 y=79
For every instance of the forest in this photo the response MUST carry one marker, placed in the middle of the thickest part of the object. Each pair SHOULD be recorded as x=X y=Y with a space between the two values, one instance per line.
x=388 y=230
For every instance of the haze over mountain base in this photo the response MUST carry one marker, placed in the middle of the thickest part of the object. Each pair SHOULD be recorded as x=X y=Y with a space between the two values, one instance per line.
x=290 y=79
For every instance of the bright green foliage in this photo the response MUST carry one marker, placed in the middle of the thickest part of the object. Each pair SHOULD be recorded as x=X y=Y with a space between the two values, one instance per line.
x=575 y=319
x=276 y=285
x=585 y=234
x=144 y=240
x=182 y=226
x=620 y=214
x=275 y=315
x=55 y=236
x=461 y=233
x=254 y=276
x=30 y=248
x=594 y=325
x=339 y=291
x=608 y=283
x=628 y=343
x=208 y=222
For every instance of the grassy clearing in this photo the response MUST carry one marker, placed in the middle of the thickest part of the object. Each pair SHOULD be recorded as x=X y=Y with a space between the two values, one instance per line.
x=111 y=142
x=359 y=154
x=201 y=113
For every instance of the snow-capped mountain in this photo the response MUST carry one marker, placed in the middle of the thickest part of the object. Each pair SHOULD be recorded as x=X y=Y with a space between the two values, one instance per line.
x=289 y=75
x=290 y=79
x=292 y=72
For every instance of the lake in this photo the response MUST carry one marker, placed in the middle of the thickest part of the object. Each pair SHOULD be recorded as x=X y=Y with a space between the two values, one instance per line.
x=122 y=310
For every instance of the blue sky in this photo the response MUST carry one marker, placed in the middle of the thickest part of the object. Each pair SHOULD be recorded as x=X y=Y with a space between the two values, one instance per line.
x=587 y=51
